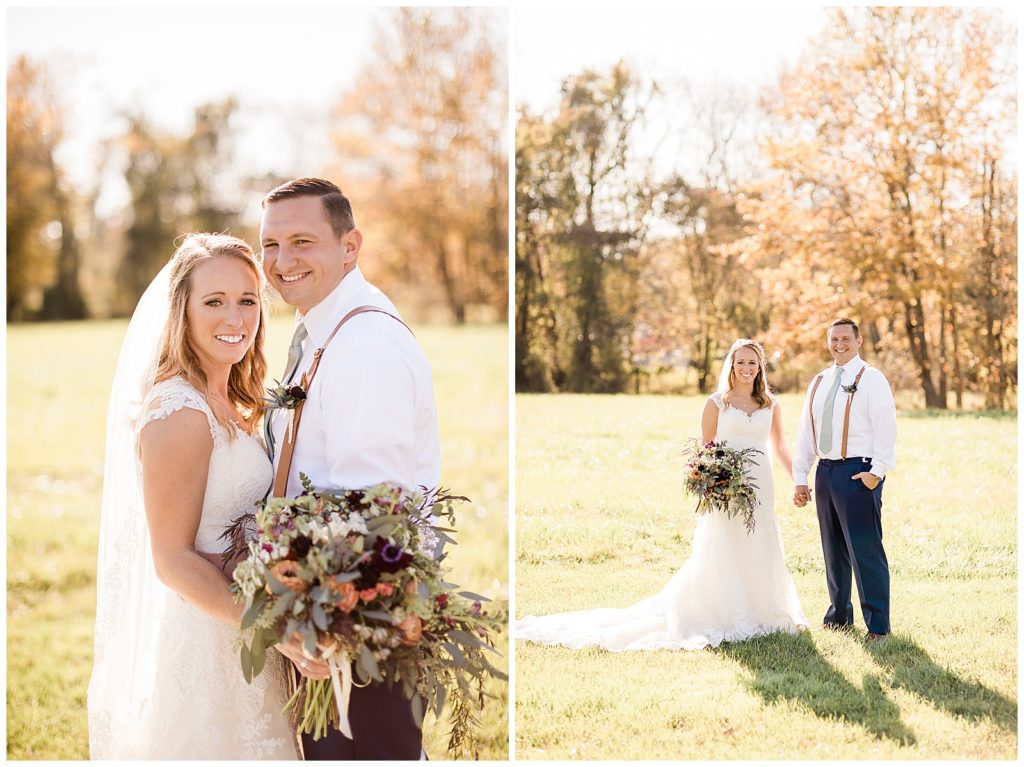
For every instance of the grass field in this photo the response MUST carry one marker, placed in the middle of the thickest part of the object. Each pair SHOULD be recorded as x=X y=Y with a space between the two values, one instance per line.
x=601 y=521
x=58 y=384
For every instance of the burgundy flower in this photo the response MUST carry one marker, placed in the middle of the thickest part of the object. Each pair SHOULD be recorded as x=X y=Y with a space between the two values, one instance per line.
x=389 y=557
x=295 y=392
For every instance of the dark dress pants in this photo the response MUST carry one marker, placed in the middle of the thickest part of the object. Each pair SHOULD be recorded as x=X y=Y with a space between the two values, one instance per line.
x=850 y=519
x=382 y=728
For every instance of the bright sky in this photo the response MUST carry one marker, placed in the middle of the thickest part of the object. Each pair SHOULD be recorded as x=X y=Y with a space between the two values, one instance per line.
x=704 y=46
x=284 y=65
x=704 y=43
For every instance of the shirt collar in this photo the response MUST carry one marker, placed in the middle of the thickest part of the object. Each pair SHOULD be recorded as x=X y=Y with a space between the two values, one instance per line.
x=851 y=368
x=322 y=318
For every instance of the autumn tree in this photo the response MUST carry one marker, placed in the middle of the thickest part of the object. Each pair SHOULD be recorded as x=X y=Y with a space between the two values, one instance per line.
x=420 y=144
x=42 y=251
x=176 y=185
x=873 y=139
x=585 y=202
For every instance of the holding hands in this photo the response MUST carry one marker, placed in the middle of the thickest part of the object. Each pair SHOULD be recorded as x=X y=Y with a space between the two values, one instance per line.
x=801 y=495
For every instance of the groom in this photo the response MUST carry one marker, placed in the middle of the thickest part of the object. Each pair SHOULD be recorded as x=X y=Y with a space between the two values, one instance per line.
x=849 y=423
x=369 y=416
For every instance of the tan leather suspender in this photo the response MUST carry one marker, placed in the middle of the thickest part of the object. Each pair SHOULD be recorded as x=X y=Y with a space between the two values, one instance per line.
x=284 y=465
x=846 y=417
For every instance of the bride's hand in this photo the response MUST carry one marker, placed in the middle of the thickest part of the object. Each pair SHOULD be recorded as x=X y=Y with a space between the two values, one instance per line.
x=292 y=649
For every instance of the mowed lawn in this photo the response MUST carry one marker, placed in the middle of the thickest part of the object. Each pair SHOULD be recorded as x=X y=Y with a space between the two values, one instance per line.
x=58 y=386
x=601 y=521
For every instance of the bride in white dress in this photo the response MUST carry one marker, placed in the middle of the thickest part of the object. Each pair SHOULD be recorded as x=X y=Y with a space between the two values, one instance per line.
x=734 y=586
x=183 y=459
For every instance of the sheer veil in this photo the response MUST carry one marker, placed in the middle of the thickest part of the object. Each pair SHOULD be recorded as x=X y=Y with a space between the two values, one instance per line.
x=129 y=597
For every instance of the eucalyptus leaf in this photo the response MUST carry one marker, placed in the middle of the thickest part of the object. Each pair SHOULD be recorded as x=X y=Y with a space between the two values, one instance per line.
x=253 y=609
x=474 y=597
x=466 y=638
x=281 y=606
x=417 y=710
x=456 y=653
x=379 y=615
x=319 y=616
x=366 y=656
x=276 y=586
x=441 y=699
x=246 y=664
x=382 y=525
x=259 y=658
x=361 y=673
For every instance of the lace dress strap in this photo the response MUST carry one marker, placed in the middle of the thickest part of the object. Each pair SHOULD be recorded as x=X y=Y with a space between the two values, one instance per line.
x=172 y=395
x=719 y=401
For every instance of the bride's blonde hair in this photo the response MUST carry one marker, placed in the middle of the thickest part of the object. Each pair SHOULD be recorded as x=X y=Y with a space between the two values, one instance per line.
x=761 y=395
x=178 y=358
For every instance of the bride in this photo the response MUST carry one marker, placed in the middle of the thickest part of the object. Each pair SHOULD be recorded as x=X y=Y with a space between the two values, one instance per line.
x=183 y=459
x=734 y=586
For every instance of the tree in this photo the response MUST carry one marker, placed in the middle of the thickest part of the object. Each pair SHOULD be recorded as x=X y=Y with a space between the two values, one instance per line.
x=873 y=140
x=35 y=215
x=584 y=203
x=422 y=138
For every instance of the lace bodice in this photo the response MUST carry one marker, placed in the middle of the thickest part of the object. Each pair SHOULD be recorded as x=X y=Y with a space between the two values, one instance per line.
x=741 y=430
x=240 y=472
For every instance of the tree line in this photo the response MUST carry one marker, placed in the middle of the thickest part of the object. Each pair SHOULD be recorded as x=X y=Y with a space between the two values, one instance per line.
x=882 y=188
x=417 y=144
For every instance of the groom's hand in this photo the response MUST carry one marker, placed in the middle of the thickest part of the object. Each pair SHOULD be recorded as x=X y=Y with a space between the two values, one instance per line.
x=801 y=495
x=870 y=480
x=314 y=669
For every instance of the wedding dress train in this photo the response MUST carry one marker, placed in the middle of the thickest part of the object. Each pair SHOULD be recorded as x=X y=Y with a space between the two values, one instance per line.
x=733 y=587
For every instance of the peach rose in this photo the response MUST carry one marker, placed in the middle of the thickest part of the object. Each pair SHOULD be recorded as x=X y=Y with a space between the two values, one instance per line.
x=348 y=596
x=287 y=572
x=368 y=595
x=411 y=586
x=412 y=629
x=385 y=589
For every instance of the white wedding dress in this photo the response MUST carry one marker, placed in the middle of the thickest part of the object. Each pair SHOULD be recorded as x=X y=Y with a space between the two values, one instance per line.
x=733 y=587
x=194 y=701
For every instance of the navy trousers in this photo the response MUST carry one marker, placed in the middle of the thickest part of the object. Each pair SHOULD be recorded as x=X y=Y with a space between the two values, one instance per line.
x=382 y=728
x=850 y=519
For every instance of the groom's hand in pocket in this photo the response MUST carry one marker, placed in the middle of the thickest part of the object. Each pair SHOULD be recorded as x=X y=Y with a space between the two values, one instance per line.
x=870 y=480
x=314 y=669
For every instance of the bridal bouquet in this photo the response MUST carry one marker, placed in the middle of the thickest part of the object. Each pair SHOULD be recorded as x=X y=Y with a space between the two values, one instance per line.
x=358 y=575
x=718 y=476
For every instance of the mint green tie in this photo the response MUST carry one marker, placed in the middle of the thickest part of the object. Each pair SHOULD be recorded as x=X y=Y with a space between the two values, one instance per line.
x=825 y=440
x=294 y=356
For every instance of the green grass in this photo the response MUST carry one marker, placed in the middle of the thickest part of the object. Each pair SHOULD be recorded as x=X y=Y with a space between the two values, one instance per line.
x=601 y=521
x=58 y=384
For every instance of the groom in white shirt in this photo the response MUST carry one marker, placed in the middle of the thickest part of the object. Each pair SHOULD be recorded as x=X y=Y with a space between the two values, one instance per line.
x=848 y=422
x=369 y=415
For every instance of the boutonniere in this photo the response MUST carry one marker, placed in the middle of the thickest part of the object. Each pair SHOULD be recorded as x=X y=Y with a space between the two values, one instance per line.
x=849 y=389
x=285 y=397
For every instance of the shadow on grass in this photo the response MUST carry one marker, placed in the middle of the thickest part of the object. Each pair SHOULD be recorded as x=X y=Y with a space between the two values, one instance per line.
x=789 y=667
x=912 y=669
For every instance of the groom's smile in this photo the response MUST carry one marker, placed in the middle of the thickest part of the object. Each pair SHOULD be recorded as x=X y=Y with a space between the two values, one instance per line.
x=303 y=257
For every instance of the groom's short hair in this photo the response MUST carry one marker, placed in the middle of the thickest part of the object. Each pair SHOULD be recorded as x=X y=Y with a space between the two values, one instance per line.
x=845 y=321
x=336 y=204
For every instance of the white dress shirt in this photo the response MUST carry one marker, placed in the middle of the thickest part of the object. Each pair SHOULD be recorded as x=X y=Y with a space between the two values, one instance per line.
x=872 y=421
x=370 y=415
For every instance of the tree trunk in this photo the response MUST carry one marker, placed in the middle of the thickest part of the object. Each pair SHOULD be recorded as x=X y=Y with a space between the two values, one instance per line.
x=63 y=300
x=913 y=317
